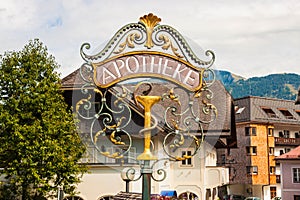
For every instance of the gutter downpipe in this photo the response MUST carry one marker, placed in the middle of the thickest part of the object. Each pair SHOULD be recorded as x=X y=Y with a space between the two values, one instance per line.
x=263 y=195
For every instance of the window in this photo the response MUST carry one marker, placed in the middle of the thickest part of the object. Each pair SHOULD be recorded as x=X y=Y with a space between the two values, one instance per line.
x=286 y=150
x=296 y=175
x=269 y=112
x=251 y=150
x=272 y=170
x=281 y=152
x=130 y=158
x=271 y=151
x=270 y=131
x=297 y=135
x=252 y=170
x=273 y=192
x=280 y=134
x=296 y=197
x=111 y=151
x=250 y=131
x=187 y=162
x=286 y=134
x=223 y=159
x=286 y=113
x=127 y=158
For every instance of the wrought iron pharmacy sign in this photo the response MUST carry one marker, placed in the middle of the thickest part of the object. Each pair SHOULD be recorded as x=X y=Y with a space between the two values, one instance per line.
x=147 y=49
x=142 y=64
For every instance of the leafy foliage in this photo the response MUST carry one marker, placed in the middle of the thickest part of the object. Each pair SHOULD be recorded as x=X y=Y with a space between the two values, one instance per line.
x=280 y=86
x=40 y=147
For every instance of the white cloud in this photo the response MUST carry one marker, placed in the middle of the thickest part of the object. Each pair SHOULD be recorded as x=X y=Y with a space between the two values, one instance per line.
x=249 y=38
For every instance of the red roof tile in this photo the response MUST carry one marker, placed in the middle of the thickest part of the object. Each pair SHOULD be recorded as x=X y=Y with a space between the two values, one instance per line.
x=293 y=154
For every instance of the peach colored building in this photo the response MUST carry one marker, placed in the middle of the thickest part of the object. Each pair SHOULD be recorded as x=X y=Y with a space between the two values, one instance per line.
x=266 y=128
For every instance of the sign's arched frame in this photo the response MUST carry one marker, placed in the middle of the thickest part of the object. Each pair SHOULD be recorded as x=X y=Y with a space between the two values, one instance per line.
x=147 y=50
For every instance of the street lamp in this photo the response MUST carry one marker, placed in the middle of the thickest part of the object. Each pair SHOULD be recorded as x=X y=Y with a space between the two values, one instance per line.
x=127 y=175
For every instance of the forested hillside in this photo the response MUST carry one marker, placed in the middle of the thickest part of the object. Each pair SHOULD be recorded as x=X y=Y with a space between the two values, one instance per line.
x=280 y=86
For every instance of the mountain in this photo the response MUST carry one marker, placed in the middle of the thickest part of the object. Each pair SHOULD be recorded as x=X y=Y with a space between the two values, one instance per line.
x=280 y=86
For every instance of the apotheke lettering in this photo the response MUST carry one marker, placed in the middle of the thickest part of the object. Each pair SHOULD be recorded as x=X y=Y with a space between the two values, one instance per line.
x=146 y=65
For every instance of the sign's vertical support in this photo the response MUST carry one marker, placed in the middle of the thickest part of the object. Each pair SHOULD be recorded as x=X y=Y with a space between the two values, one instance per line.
x=146 y=156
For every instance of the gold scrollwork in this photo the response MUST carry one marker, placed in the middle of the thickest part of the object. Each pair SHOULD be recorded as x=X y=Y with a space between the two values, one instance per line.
x=79 y=103
x=173 y=96
x=114 y=140
x=208 y=107
x=167 y=44
x=122 y=96
x=184 y=157
x=128 y=42
x=115 y=155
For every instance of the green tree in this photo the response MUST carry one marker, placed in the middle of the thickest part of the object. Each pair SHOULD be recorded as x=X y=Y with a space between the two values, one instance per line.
x=40 y=146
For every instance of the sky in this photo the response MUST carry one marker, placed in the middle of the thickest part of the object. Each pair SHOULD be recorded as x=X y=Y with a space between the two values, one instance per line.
x=249 y=38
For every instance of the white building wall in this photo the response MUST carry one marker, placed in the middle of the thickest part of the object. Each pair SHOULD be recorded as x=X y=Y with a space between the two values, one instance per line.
x=201 y=175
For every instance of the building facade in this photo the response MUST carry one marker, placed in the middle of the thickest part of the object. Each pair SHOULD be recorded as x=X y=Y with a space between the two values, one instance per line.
x=195 y=178
x=266 y=128
x=290 y=174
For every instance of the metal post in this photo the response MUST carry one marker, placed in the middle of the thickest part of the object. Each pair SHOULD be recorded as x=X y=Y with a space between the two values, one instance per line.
x=60 y=193
x=127 y=186
x=146 y=175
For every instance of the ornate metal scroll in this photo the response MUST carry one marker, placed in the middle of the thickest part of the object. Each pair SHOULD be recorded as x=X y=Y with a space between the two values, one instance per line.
x=148 y=33
x=182 y=113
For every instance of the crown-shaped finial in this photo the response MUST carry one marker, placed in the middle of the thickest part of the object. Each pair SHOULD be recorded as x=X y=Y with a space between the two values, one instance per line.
x=149 y=21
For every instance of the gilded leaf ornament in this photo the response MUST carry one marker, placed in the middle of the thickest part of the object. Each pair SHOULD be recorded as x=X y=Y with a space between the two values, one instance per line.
x=128 y=42
x=167 y=44
x=150 y=21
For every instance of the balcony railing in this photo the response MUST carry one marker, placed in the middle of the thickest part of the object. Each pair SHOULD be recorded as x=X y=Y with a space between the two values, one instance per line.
x=287 y=141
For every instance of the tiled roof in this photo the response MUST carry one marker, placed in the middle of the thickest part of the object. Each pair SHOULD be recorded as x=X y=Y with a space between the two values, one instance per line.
x=291 y=155
x=224 y=124
x=283 y=111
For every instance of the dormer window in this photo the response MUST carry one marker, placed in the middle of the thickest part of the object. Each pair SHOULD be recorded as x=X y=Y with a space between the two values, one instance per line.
x=286 y=113
x=270 y=113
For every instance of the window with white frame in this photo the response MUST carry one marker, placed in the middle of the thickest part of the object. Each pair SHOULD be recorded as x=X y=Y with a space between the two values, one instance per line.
x=271 y=151
x=250 y=131
x=91 y=155
x=129 y=158
x=252 y=170
x=189 y=161
x=296 y=175
x=270 y=131
x=286 y=134
x=272 y=169
x=252 y=150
